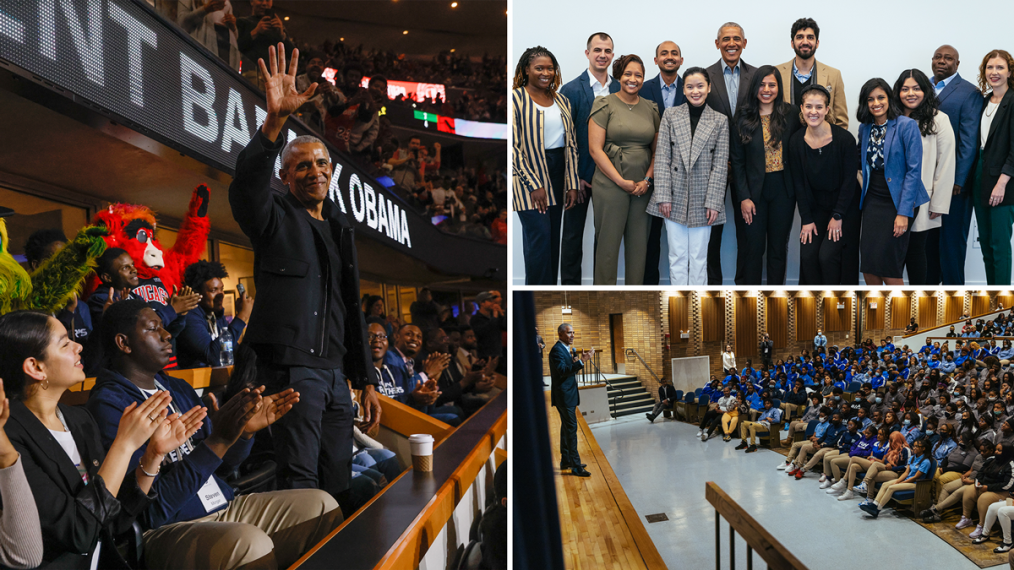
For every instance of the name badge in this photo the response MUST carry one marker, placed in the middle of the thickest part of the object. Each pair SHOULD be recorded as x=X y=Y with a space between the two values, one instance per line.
x=211 y=496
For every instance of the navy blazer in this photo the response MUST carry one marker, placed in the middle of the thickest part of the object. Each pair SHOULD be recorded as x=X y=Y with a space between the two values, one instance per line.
x=962 y=103
x=563 y=370
x=581 y=96
x=652 y=90
x=902 y=164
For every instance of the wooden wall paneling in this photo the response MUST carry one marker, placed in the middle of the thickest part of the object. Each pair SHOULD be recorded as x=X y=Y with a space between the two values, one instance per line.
x=679 y=318
x=1007 y=301
x=806 y=318
x=953 y=308
x=835 y=319
x=747 y=343
x=901 y=310
x=777 y=315
x=980 y=305
x=713 y=317
x=875 y=317
x=927 y=312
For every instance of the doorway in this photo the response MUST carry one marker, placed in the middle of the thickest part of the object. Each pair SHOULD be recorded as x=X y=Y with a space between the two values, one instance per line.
x=616 y=338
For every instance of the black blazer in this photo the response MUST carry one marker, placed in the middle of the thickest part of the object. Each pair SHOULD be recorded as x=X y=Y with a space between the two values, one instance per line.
x=652 y=90
x=292 y=292
x=563 y=369
x=718 y=99
x=74 y=516
x=748 y=160
x=998 y=155
x=667 y=392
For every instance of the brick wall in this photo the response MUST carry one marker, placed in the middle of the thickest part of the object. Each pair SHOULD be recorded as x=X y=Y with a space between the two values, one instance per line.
x=642 y=327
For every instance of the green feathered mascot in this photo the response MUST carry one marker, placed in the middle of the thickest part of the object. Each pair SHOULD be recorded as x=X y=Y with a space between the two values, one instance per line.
x=50 y=287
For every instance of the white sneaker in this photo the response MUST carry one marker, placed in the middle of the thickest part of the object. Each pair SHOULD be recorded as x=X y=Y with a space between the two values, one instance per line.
x=861 y=489
x=839 y=486
x=782 y=466
x=700 y=433
x=822 y=479
x=835 y=489
x=847 y=495
x=827 y=483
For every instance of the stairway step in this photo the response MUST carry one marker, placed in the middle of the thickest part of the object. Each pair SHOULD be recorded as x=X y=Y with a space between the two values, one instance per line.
x=634 y=397
x=631 y=405
x=632 y=411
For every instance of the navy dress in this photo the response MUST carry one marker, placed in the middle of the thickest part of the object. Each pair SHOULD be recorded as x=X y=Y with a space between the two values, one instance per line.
x=881 y=253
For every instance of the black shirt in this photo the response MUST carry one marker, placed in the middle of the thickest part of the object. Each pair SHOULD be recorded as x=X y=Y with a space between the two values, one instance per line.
x=695 y=116
x=828 y=181
x=798 y=86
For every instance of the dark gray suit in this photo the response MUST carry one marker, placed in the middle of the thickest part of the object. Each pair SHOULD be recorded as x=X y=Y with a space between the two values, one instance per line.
x=564 y=396
x=718 y=100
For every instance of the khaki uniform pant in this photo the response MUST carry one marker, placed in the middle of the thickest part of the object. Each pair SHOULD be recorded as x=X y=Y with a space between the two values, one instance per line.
x=856 y=464
x=952 y=493
x=262 y=530
x=888 y=489
x=982 y=501
x=942 y=479
x=800 y=450
x=752 y=428
x=819 y=456
x=877 y=473
x=833 y=466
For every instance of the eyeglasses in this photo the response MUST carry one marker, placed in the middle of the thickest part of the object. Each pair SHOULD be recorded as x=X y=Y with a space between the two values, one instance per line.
x=374 y=337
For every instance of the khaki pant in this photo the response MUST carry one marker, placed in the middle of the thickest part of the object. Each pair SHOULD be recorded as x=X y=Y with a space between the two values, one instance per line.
x=818 y=457
x=953 y=493
x=805 y=447
x=262 y=530
x=794 y=427
x=833 y=466
x=878 y=473
x=752 y=428
x=888 y=489
x=980 y=499
x=856 y=464
x=790 y=409
x=942 y=479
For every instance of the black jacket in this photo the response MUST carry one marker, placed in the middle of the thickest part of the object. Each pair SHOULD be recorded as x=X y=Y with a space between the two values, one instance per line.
x=997 y=476
x=667 y=392
x=998 y=155
x=563 y=371
x=748 y=162
x=74 y=515
x=292 y=293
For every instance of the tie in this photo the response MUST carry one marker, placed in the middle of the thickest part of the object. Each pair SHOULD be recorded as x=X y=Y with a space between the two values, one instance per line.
x=212 y=322
x=410 y=366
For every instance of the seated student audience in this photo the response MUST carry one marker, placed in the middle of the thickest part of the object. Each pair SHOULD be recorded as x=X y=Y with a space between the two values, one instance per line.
x=858 y=462
x=198 y=345
x=811 y=414
x=919 y=467
x=952 y=493
x=464 y=393
x=768 y=421
x=193 y=504
x=993 y=483
x=85 y=493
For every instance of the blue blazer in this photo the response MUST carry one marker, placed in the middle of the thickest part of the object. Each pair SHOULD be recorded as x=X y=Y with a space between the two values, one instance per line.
x=902 y=164
x=962 y=103
x=652 y=90
x=563 y=370
x=581 y=96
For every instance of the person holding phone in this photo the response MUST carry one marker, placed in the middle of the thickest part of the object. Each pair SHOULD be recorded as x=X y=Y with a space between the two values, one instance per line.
x=256 y=33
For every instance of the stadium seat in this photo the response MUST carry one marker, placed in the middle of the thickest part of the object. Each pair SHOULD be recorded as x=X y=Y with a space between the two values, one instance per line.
x=668 y=412
x=810 y=427
x=686 y=406
x=920 y=498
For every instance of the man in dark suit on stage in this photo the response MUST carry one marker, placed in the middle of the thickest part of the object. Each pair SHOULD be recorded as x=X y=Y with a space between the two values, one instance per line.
x=563 y=366
x=962 y=103
x=582 y=91
x=730 y=81
x=666 y=90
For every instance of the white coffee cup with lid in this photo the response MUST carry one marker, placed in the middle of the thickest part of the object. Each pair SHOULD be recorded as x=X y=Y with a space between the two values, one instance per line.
x=421 y=445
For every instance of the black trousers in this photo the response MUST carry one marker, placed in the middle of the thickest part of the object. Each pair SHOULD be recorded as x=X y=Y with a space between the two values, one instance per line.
x=916 y=259
x=571 y=244
x=715 y=256
x=933 y=271
x=654 y=251
x=827 y=262
x=568 y=436
x=768 y=234
x=313 y=442
x=709 y=418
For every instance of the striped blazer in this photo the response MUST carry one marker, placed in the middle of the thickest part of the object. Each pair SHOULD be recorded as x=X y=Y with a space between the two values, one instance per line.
x=530 y=171
x=691 y=171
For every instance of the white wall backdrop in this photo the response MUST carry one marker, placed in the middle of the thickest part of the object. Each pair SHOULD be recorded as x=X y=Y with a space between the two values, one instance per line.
x=850 y=41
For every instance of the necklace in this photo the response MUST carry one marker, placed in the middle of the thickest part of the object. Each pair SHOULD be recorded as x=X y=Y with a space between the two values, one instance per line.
x=630 y=107
x=995 y=107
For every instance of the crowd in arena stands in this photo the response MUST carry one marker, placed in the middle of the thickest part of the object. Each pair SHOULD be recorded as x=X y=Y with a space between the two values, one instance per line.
x=147 y=449
x=241 y=40
x=462 y=200
x=879 y=418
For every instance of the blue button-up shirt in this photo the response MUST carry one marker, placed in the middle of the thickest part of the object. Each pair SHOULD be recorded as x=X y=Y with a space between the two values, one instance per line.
x=943 y=83
x=802 y=78
x=731 y=76
x=668 y=93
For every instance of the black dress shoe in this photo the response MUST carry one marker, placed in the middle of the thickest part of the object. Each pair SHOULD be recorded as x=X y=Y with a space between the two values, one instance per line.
x=580 y=472
x=650 y=417
x=566 y=466
x=743 y=445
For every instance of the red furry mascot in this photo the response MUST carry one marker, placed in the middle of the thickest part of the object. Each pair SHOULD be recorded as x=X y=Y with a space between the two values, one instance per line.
x=132 y=228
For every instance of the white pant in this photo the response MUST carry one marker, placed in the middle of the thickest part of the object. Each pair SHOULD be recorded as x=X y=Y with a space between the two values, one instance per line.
x=688 y=254
x=999 y=510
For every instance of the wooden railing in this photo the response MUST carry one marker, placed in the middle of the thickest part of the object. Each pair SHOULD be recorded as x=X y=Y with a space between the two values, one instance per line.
x=757 y=538
x=961 y=321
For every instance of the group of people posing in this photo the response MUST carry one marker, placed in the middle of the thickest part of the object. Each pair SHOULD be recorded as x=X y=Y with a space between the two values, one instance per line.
x=931 y=150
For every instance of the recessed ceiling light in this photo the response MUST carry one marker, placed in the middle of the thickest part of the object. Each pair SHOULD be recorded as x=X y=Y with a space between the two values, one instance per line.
x=405 y=33
x=286 y=18
x=454 y=4
x=452 y=50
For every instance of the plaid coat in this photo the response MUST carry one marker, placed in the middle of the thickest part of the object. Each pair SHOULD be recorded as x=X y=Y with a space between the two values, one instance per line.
x=691 y=171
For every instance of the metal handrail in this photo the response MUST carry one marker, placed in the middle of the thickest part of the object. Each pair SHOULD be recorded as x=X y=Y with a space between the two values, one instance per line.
x=609 y=387
x=630 y=351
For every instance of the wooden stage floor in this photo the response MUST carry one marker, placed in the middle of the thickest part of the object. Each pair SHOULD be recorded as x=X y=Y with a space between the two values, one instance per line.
x=599 y=525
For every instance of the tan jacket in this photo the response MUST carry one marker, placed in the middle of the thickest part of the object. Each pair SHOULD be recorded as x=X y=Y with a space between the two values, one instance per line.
x=838 y=113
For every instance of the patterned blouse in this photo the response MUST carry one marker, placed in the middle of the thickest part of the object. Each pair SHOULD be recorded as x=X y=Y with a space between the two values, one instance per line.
x=875 y=147
x=772 y=154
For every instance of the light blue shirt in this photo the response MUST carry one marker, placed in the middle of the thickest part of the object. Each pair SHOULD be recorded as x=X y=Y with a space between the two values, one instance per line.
x=668 y=93
x=802 y=78
x=732 y=83
x=770 y=416
x=943 y=83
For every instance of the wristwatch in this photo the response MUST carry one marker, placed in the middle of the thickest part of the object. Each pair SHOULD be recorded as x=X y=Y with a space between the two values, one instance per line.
x=649 y=180
x=836 y=216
